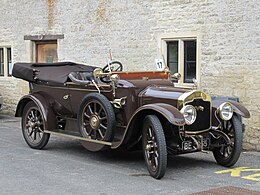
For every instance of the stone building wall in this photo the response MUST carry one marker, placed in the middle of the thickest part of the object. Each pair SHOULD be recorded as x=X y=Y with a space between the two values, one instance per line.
x=228 y=32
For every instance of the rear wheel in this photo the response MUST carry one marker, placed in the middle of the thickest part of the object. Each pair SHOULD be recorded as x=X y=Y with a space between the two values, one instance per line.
x=228 y=152
x=154 y=146
x=33 y=127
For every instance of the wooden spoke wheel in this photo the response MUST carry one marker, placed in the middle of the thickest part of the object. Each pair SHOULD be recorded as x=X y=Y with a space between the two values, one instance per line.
x=228 y=153
x=154 y=147
x=33 y=127
x=96 y=120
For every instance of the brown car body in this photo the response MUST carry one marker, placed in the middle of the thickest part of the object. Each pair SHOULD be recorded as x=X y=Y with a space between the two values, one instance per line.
x=59 y=94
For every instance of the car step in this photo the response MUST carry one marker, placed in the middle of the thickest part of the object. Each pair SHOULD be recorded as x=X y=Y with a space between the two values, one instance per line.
x=73 y=136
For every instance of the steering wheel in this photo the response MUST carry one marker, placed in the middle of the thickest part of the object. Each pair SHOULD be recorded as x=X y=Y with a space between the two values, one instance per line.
x=115 y=66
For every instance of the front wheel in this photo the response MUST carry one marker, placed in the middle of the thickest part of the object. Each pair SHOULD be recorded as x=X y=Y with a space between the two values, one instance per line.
x=228 y=153
x=33 y=127
x=154 y=146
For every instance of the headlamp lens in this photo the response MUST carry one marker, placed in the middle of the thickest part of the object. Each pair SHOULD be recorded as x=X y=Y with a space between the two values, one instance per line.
x=189 y=113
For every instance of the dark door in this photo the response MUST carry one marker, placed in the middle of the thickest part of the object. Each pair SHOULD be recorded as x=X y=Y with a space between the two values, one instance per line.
x=46 y=52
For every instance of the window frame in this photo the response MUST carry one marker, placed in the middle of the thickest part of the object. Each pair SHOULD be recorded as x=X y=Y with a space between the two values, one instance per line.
x=5 y=48
x=164 y=39
x=32 y=41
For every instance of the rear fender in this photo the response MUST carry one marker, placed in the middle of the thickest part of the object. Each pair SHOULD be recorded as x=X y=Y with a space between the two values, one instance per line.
x=134 y=128
x=48 y=115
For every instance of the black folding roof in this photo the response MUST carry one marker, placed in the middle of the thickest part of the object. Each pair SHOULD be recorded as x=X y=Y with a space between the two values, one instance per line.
x=55 y=73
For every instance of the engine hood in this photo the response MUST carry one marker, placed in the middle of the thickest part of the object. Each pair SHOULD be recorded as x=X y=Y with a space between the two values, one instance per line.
x=160 y=91
x=177 y=97
x=161 y=94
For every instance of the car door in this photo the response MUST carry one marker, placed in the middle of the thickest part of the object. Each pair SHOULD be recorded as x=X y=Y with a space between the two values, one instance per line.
x=58 y=97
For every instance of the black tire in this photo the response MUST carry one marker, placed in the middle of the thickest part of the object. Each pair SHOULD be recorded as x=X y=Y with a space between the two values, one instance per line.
x=227 y=155
x=96 y=120
x=33 y=126
x=154 y=146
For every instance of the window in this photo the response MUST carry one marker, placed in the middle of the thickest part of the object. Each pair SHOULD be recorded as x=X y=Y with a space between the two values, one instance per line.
x=173 y=53
x=9 y=61
x=2 y=62
x=46 y=52
x=6 y=65
x=189 y=61
x=182 y=57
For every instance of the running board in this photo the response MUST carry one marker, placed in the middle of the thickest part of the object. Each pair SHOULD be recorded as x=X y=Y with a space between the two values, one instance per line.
x=78 y=137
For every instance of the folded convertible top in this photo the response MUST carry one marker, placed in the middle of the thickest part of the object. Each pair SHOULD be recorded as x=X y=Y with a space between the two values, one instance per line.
x=55 y=73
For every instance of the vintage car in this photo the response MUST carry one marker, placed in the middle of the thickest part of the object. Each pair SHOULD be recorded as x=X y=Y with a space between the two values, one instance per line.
x=106 y=108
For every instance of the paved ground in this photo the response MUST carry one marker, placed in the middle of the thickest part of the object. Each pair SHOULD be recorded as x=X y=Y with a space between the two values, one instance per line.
x=65 y=167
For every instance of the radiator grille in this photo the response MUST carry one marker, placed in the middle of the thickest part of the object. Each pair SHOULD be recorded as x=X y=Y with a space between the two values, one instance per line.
x=203 y=120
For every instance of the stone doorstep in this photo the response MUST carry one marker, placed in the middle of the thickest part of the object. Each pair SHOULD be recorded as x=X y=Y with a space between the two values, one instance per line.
x=227 y=190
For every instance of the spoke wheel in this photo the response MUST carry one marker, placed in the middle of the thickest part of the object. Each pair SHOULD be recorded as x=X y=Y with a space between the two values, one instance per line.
x=33 y=127
x=154 y=147
x=96 y=120
x=228 y=153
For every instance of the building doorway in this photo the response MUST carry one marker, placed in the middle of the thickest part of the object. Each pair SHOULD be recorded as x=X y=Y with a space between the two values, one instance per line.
x=46 y=52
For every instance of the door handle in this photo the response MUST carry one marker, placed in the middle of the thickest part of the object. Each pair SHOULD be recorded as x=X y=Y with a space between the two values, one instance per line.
x=65 y=97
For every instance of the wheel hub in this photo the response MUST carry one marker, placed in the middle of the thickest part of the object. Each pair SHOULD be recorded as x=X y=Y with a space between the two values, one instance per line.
x=34 y=124
x=94 y=121
x=150 y=146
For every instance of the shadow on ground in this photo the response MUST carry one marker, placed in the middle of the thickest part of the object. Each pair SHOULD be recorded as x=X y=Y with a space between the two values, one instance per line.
x=75 y=149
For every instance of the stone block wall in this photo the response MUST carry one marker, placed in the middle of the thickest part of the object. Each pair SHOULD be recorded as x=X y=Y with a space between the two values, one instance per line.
x=228 y=32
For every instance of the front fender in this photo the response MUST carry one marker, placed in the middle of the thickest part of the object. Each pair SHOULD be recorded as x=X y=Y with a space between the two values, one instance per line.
x=237 y=107
x=48 y=115
x=172 y=114
x=134 y=128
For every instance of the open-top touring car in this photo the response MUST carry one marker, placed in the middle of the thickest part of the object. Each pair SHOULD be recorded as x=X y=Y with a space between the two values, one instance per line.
x=109 y=109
